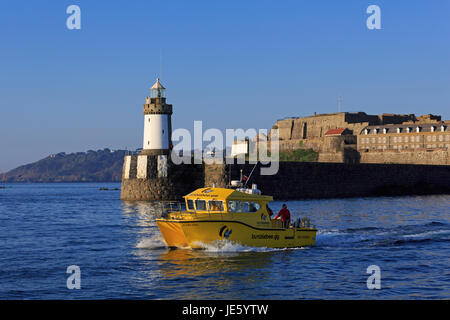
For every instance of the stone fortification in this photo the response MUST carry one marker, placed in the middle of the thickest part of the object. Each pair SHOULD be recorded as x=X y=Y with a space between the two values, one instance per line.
x=148 y=178
x=359 y=137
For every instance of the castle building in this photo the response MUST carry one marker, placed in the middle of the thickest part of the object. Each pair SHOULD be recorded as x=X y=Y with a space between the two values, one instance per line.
x=157 y=122
x=403 y=137
x=361 y=138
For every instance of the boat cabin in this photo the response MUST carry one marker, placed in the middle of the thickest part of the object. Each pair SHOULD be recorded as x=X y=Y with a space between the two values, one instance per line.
x=221 y=200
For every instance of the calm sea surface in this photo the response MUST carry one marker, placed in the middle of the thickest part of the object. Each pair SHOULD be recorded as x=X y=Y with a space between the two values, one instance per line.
x=44 y=228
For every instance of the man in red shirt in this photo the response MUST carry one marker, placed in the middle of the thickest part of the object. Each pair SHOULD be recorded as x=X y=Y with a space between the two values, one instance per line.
x=285 y=216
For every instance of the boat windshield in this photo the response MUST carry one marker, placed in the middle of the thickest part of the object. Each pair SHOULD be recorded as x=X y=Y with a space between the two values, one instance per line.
x=215 y=205
x=200 y=205
x=190 y=205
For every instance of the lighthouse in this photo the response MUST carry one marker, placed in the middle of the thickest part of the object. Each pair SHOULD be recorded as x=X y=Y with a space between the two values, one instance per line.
x=157 y=122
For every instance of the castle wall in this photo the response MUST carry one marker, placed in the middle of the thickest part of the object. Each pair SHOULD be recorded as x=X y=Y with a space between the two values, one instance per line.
x=337 y=157
x=311 y=130
x=406 y=146
x=423 y=156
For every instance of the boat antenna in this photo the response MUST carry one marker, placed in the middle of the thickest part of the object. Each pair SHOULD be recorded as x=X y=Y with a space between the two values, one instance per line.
x=229 y=174
x=251 y=173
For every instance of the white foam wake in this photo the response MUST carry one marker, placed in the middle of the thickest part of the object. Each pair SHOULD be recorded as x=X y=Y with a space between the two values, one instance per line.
x=155 y=242
x=426 y=234
x=220 y=246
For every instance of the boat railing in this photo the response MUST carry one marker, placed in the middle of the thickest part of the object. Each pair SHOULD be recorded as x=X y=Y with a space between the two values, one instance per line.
x=302 y=222
x=174 y=207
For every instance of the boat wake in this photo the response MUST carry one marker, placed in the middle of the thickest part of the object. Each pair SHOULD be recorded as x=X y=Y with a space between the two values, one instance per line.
x=350 y=237
x=226 y=246
x=154 y=243
x=372 y=236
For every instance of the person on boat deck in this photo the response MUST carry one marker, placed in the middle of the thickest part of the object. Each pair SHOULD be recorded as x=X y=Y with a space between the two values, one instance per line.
x=285 y=216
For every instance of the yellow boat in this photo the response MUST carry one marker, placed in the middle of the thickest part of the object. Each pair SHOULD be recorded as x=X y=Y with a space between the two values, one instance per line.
x=237 y=215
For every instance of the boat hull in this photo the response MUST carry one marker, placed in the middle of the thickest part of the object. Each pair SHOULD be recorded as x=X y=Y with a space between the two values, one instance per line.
x=196 y=234
x=172 y=233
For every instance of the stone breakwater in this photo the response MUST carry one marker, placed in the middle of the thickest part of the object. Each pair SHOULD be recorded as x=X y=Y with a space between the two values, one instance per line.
x=156 y=178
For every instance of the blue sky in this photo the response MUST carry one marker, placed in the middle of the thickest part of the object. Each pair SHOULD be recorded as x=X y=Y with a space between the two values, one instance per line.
x=232 y=64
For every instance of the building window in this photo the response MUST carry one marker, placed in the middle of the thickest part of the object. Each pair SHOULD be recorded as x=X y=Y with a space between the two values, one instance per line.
x=395 y=139
x=433 y=128
x=441 y=138
x=447 y=138
x=429 y=138
x=406 y=139
x=434 y=138
x=399 y=139
x=417 y=129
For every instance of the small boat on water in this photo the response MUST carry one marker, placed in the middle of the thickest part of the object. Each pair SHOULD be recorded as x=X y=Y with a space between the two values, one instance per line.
x=239 y=215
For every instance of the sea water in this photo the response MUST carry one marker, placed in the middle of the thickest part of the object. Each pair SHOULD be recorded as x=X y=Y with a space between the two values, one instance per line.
x=45 y=228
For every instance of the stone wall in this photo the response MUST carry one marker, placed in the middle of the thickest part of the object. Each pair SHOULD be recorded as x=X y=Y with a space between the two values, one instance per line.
x=337 y=157
x=144 y=179
x=217 y=174
x=294 y=180
x=422 y=156
x=311 y=130
x=300 y=180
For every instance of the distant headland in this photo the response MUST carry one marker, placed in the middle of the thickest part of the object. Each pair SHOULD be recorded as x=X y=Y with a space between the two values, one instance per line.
x=91 y=166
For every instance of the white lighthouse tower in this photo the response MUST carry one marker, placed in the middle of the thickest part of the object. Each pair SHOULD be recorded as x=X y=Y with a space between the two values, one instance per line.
x=157 y=122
